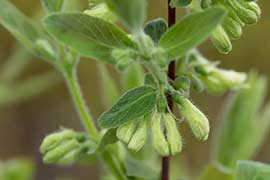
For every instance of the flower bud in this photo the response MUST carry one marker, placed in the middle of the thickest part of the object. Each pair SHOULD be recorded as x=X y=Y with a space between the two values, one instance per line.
x=139 y=137
x=221 y=40
x=230 y=79
x=213 y=85
x=159 y=141
x=173 y=135
x=196 y=119
x=246 y=15
x=64 y=147
x=232 y=28
x=55 y=155
x=125 y=132
x=54 y=139
x=182 y=82
x=253 y=6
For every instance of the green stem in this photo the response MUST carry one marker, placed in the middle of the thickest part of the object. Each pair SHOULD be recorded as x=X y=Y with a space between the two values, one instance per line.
x=108 y=158
x=87 y=120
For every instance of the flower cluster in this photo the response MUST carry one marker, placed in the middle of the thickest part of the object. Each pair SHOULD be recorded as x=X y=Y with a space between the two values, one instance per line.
x=240 y=13
x=64 y=147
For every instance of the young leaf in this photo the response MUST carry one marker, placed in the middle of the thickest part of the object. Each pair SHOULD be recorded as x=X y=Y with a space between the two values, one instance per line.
x=90 y=36
x=22 y=28
x=155 y=29
x=53 y=5
x=237 y=138
x=191 y=31
x=131 y=12
x=132 y=105
x=248 y=170
x=133 y=77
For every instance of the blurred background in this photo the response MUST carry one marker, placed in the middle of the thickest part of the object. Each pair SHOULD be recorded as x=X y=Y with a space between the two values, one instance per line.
x=25 y=120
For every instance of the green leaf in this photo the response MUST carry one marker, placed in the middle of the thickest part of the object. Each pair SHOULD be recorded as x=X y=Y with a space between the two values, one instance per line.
x=180 y=3
x=22 y=28
x=109 y=88
x=140 y=169
x=191 y=31
x=237 y=137
x=248 y=170
x=90 y=36
x=132 y=12
x=53 y=5
x=214 y=172
x=131 y=106
x=133 y=77
x=155 y=29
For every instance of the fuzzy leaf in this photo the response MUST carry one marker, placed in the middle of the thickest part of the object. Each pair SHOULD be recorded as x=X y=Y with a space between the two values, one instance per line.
x=53 y=5
x=22 y=28
x=191 y=31
x=90 y=36
x=237 y=138
x=132 y=12
x=155 y=29
x=131 y=106
x=248 y=170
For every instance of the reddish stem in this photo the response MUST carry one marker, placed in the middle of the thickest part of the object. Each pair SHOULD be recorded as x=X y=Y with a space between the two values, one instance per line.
x=171 y=75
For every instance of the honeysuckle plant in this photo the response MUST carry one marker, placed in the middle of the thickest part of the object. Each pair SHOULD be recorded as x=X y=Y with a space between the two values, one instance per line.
x=141 y=120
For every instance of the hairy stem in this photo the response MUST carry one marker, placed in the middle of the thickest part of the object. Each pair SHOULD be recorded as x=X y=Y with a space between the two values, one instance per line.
x=171 y=75
x=107 y=157
x=87 y=121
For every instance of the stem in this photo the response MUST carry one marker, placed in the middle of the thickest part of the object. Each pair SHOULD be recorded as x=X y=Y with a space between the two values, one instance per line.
x=171 y=75
x=108 y=158
x=87 y=121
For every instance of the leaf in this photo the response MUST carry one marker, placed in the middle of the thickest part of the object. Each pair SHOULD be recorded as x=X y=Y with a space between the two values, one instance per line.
x=180 y=3
x=132 y=105
x=132 y=12
x=90 y=36
x=248 y=170
x=109 y=88
x=191 y=31
x=237 y=138
x=22 y=28
x=53 y=5
x=155 y=29
x=133 y=77
x=140 y=169
x=214 y=172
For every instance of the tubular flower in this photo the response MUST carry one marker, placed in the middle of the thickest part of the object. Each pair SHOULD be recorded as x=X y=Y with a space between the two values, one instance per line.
x=240 y=13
